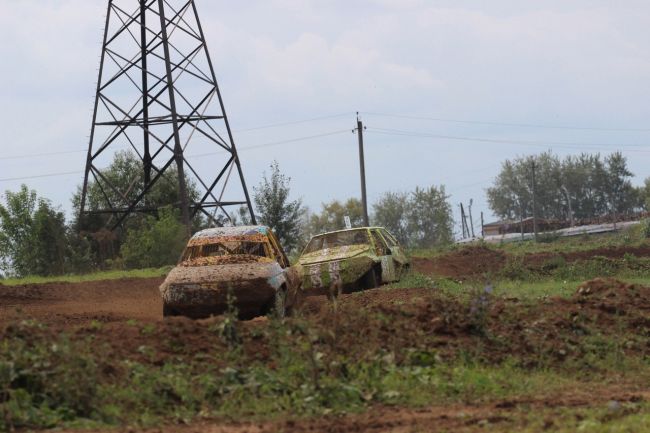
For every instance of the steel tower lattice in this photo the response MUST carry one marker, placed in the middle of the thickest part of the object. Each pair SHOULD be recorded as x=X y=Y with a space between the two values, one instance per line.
x=157 y=95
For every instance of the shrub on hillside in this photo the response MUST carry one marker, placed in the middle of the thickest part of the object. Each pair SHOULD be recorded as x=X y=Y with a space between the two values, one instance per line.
x=155 y=243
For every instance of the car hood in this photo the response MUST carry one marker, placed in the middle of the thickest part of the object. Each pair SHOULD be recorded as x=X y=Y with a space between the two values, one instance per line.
x=332 y=254
x=225 y=273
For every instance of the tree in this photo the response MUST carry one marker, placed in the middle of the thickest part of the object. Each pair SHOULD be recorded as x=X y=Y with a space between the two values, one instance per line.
x=332 y=216
x=619 y=190
x=275 y=210
x=32 y=235
x=156 y=242
x=644 y=195
x=582 y=187
x=429 y=217
x=126 y=174
x=391 y=211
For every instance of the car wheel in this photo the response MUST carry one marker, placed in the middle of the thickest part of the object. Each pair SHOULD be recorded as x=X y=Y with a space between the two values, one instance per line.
x=372 y=279
x=169 y=311
x=406 y=269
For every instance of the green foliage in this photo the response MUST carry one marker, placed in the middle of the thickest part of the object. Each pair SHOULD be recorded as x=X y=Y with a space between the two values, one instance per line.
x=420 y=219
x=45 y=384
x=32 y=236
x=332 y=216
x=126 y=174
x=157 y=242
x=275 y=210
x=390 y=211
x=429 y=218
x=95 y=276
x=645 y=227
x=581 y=187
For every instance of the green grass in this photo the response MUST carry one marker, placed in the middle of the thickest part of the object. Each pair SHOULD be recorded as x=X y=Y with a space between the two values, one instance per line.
x=522 y=290
x=631 y=237
x=97 y=276
x=48 y=383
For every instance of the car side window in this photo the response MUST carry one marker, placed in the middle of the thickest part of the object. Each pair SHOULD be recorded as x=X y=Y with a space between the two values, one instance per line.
x=390 y=239
x=380 y=244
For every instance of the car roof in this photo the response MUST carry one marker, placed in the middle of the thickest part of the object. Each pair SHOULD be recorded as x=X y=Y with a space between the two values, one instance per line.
x=240 y=231
x=350 y=230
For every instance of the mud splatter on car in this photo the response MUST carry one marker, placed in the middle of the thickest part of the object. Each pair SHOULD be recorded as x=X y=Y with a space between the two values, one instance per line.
x=247 y=262
x=349 y=260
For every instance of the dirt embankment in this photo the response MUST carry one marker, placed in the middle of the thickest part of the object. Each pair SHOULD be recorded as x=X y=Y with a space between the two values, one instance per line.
x=480 y=261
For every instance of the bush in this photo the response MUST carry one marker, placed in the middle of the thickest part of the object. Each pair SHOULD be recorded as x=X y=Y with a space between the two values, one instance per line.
x=645 y=224
x=155 y=243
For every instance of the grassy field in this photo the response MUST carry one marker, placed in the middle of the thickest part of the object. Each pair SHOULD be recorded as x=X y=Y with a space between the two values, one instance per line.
x=96 y=276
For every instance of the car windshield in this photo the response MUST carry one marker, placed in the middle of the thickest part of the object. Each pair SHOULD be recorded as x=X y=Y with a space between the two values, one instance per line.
x=338 y=239
x=226 y=248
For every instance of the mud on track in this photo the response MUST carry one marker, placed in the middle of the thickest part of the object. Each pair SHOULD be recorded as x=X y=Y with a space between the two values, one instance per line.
x=79 y=303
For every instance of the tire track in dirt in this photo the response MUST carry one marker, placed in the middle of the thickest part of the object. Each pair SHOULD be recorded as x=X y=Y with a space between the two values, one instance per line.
x=75 y=303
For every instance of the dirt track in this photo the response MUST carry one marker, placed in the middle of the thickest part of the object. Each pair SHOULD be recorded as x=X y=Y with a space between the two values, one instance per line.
x=76 y=303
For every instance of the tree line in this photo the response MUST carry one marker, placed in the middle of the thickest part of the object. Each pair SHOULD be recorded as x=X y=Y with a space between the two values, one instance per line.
x=36 y=239
x=576 y=188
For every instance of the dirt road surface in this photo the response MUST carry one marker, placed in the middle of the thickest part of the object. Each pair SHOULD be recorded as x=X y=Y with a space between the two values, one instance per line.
x=77 y=303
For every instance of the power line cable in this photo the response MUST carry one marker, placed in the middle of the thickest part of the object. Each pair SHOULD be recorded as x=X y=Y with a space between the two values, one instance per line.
x=257 y=146
x=294 y=122
x=10 y=179
x=517 y=125
x=276 y=143
x=67 y=152
x=561 y=144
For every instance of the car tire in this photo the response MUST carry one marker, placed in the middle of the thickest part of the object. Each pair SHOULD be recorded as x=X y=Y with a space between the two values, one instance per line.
x=406 y=269
x=371 y=280
x=168 y=311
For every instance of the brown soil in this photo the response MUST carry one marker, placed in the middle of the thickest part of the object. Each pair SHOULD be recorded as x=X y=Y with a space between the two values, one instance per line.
x=462 y=264
x=78 y=303
x=483 y=262
x=123 y=318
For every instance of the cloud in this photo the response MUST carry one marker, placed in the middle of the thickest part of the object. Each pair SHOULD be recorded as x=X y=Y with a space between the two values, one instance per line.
x=552 y=62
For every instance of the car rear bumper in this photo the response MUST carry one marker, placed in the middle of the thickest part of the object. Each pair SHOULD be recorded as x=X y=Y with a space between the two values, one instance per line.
x=205 y=300
x=328 y=278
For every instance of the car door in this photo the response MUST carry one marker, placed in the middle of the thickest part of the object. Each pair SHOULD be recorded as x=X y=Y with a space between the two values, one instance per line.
x=388 y=270
x=398 y=253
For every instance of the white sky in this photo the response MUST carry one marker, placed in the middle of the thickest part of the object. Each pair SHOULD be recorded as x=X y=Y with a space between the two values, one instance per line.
x=563 y=63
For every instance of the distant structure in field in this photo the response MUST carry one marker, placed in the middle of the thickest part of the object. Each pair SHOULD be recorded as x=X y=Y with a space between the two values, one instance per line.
x=157 y=95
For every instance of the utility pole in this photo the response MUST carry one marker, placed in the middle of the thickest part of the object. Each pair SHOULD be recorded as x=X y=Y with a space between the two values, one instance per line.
x=362 y=167
x=464 y=221
x=482 y=226
x=471 y=220
x=534 y=202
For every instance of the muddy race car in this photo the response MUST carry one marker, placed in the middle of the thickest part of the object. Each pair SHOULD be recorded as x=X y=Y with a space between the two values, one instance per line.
x=350 y=260
x=247 y=262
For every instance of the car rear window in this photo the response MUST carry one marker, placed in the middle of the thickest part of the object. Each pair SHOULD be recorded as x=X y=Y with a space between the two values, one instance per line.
x=338 y=239
x=230 y=248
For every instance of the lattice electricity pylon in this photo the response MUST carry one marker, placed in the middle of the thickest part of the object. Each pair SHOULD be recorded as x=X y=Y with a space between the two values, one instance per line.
x=157 y=95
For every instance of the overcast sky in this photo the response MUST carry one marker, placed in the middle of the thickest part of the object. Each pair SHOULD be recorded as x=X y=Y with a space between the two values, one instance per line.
x=574 y=63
